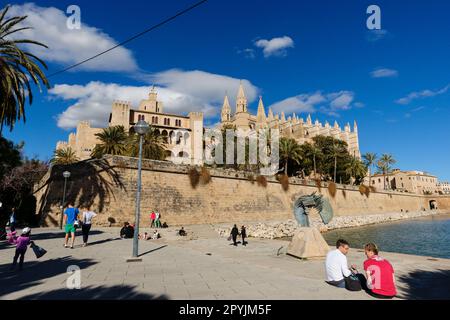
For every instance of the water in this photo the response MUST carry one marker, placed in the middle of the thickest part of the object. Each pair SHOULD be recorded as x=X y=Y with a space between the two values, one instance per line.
x=429 y=236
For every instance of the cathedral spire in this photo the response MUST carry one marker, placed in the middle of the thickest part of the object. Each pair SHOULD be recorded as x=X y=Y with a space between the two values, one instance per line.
x=241 y=100
x=226 y=110
x=308 y=120
x=261 y=115
x=270 y=115
x=355 y=127
x=283 y=117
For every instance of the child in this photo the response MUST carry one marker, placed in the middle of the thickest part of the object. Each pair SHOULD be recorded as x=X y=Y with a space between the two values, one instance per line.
x=22 y=243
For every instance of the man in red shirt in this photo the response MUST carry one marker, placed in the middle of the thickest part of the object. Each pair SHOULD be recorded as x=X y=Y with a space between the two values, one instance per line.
x=379 y=273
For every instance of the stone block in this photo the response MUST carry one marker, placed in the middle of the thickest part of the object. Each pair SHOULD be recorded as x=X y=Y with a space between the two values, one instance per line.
x=308 y=243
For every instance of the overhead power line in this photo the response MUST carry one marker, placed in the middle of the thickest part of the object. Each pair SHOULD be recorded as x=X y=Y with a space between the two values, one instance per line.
x=195 y=5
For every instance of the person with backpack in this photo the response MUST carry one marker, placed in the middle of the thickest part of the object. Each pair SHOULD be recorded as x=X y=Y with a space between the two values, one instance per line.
x=337 y=271
x=88 y=215
x=22 y=244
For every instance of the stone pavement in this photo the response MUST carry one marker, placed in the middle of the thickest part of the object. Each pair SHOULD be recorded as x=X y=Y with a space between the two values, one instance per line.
x=207 y=267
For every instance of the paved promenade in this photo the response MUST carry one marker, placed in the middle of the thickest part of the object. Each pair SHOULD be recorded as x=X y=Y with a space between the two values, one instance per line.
x=206 y=267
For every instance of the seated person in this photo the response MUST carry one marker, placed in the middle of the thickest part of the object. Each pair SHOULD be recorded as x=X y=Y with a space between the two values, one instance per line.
x=182 y=232
x=127 y=232
x=156 y=235
x=379 y=273
x=336 y=265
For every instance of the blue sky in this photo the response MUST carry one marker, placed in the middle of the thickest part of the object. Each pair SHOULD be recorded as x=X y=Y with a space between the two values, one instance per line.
x=303 y=56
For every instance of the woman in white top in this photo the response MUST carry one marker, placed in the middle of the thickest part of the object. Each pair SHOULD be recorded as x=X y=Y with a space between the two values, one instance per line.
x=87 y=222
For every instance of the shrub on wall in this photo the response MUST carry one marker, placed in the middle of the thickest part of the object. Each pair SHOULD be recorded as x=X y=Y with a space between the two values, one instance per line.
x=111 y=221
x=205 y=176
x=332 y=189
x=284 y=181
x=194 y=177
x=318 y=184
x=251 y=178
x=262 y=181
x=364 y=190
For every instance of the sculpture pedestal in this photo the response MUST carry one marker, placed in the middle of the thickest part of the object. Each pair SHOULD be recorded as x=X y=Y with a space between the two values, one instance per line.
x=308 y=243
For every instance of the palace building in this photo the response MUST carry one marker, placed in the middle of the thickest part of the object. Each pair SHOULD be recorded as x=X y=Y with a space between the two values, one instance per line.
x=183 y=135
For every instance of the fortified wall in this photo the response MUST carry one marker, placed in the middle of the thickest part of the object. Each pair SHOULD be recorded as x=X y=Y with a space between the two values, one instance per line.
x=108 y=186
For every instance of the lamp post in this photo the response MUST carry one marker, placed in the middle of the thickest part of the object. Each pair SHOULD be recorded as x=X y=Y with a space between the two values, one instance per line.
x=141 y=128
x=66 y=175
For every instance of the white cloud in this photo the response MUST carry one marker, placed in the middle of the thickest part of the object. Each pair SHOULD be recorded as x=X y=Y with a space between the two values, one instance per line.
x=330 y=103
x=180 y=91
x=67 y=46
x=275 y=46
x=247 y=53
x=384 y=73
x=422 y=94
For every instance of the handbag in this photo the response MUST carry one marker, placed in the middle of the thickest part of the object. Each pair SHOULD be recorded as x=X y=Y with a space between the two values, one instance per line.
x=229 y=238
x=38 y=251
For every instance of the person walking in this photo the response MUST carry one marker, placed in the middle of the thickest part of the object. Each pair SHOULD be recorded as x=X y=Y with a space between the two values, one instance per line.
x=243 y=235
x=22 y=243
x=152 y=219
x=157 y=219
x=234 y=234
x=70 y=216
x=86 y=224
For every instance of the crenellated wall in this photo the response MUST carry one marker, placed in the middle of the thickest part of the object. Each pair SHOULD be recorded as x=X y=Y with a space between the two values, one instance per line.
x=109 y=186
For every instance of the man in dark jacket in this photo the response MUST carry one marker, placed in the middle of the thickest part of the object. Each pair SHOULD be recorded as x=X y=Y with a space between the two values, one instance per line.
x=243 y=235
x=127 y=231
x=234 y=234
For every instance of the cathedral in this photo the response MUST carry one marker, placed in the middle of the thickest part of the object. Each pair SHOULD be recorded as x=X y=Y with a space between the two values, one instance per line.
x=291 y=127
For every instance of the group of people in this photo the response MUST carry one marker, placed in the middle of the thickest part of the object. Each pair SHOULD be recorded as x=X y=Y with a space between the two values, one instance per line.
x=378 y=280
x=73 y=221
x=155 y=221
x=235 y=233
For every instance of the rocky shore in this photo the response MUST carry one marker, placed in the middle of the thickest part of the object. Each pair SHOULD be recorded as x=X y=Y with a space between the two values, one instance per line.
x=287 y=228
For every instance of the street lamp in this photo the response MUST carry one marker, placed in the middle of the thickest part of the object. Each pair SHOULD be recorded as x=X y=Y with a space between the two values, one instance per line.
x=141 y=128
x=66 y=175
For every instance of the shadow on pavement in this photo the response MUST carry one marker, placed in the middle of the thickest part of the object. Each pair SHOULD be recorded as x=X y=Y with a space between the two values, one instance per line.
x=424 y=285
x=150 y=251
x=35 y=272
x=117 y=292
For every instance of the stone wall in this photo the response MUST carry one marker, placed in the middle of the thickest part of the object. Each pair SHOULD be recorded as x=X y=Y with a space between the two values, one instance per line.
x=109 y=187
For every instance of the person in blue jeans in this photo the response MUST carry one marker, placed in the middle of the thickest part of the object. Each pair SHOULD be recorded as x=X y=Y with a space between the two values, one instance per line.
x=70 y=216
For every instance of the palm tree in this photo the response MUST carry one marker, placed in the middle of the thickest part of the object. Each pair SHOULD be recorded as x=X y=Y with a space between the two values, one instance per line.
x=336 y=151
x=386 y=160
x=289 y=150
x=369 y=160
x=153 y=146
x=112 y=141
x=315 y=153
x=355 y=168
x=64 y=156
x=18 y=68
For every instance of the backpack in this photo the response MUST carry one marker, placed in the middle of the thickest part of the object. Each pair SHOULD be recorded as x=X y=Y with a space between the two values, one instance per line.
x=352 y=283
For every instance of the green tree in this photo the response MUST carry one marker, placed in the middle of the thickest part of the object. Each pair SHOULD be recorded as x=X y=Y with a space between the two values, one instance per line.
x=153 y=145
x=10 y=156
x=356 y=169
x=64 y=156
x=112 y=141
x=18 y=68
x=312 y=157
x=289 y=151
x=369 y=159
x=385 y=166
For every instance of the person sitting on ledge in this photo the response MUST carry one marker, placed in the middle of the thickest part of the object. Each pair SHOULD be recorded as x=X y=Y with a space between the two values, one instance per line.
x=181 y=232
x=336 y=265
x=379 y=273
x=156 y=235
x=127 y=232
